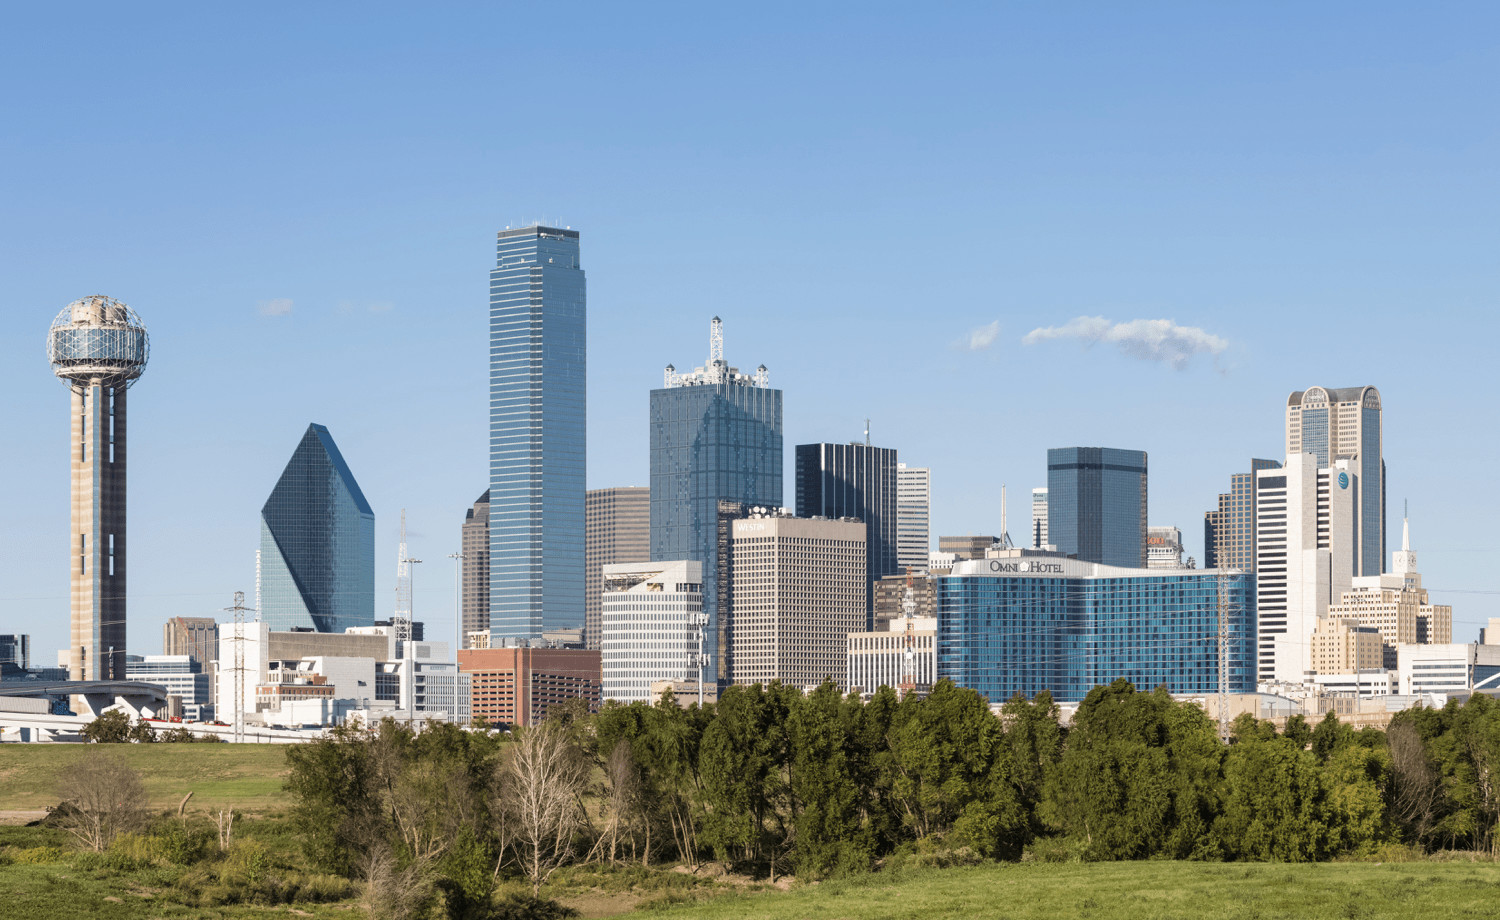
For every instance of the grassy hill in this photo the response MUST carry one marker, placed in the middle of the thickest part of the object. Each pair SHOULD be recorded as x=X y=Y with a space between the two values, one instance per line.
x=246 y=776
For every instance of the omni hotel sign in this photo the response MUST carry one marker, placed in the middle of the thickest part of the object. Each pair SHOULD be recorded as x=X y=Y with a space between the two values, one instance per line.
x=1004 y=567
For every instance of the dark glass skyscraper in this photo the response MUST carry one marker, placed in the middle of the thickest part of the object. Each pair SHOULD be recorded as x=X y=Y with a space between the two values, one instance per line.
x=859 y=481
x=317 y=543
x=1096 y=504
x=538 y=348
x=715 y=436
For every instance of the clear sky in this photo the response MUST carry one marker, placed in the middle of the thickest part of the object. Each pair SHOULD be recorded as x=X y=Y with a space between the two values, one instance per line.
x=883 y=202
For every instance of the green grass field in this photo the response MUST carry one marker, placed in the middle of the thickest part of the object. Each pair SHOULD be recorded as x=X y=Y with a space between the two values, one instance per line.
x=246 y=776
x=1132 y=891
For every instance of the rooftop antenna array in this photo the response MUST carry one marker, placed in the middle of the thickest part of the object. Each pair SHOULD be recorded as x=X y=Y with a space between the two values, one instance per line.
x=716 y=341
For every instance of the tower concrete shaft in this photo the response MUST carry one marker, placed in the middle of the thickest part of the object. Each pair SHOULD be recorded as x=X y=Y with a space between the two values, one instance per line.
x=97 y=648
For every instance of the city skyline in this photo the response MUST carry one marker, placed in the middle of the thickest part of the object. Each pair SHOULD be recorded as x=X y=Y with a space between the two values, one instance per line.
x=1073 y=169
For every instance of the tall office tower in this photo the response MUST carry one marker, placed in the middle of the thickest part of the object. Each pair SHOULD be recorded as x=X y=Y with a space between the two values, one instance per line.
x=538 y=353
x=1304 y=557
x=99 y=347
x=799 y=589
x=853 y=481
x=1096 y=504
x=1038 y=518
x=617 y=529
x=913 y=514
x=475 y=548
x=1346 y=423
x=715 y=436
x=317 y=543
x=649 y=627
x=1229 y=532
x=195 y=637
x=1163 y=548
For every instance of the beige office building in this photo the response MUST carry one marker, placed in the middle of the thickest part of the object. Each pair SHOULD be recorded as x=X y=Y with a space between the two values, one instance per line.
x=617 y=529
x=1340 y=646
x=649 y=628
x=798 y=592
x=1396 y=605
x=968 y=546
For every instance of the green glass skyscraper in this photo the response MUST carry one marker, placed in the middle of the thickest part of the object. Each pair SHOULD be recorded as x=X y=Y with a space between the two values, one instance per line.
x=538 y=347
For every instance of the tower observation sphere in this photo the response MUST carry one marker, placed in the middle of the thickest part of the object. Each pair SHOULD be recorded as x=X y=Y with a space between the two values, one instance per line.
x=98 y=346
x=100 y=341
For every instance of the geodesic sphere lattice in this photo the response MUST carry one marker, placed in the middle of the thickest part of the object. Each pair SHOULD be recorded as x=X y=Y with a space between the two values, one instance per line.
x=98 y=338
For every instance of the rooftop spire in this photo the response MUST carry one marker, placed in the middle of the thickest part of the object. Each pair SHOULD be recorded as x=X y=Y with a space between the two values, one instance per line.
x=716 y=341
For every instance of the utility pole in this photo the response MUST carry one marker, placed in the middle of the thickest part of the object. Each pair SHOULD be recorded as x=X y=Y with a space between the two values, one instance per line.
x=458 y=594
x=239 y=610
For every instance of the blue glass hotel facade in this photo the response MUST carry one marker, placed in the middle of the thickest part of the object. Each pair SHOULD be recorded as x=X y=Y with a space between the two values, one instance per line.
x=716 y=435
x=316 y=567
x=1045 y=622
x=538 y=348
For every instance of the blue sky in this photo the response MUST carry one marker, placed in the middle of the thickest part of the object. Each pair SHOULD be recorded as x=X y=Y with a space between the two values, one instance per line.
x=301 y=203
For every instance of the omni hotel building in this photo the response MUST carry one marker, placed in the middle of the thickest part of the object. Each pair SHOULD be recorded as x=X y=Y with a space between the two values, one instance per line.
x=1022 y=622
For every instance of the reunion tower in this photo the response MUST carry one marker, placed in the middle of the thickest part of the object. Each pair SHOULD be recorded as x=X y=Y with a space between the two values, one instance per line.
x=99 y=347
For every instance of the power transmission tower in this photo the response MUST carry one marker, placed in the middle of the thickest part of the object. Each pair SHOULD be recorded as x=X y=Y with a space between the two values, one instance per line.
x=239 y=610
x=1222 y=583
x=403 y=617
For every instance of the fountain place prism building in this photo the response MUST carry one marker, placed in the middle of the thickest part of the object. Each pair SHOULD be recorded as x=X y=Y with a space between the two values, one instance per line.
x=99 y=347
x=538 y=361
x=316 y=566
x=715 y=436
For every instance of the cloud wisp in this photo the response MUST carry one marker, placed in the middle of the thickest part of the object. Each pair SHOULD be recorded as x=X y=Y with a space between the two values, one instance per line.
x=280 y=306
x=1160 y=340
x=979 y=338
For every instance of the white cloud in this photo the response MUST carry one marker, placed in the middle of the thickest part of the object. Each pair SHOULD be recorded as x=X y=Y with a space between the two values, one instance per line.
x=281 y=306
x=979 y=338
x=1148 y=339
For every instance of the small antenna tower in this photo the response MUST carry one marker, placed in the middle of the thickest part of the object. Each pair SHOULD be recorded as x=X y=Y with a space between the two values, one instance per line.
x=402 y=619
x=716 y=341
x=867 y=432
x=239 y=610
x=1005 y=541
x=1222 y=583
x=909 y=653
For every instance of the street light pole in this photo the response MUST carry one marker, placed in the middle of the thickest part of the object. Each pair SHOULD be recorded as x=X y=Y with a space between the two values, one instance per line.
x=458 y=615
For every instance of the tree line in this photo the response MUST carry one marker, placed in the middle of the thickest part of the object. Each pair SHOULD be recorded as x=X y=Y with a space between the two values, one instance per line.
x=773 y=781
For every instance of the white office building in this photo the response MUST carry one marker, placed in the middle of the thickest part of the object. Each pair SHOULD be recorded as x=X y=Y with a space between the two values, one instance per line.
x=1305 y=557
x=1163 y=548
x=1448 y=668
x=902 y=656
x=1039 y=518
x=913 y=511
x=650 y=620
x=181 y=676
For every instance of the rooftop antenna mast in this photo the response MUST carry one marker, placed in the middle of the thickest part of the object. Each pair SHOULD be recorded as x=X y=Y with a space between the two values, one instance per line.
x=1005 y=541
x=716 y=341
x=401 y=622
x=867 y=432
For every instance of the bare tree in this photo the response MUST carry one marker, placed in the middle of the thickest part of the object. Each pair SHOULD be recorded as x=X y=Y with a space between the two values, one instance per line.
x=102 y=797
x=225 y=819
x=394 y=889
x=541 y=782
x=1416 y=788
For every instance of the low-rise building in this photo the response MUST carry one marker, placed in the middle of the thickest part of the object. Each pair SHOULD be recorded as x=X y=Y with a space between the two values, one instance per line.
x=181 y=676
x=517 y=686
x=1448 y=668
x=1343 y=646
x=902 y=654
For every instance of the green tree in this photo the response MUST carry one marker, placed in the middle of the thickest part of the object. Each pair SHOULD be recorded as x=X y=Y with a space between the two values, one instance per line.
x=1329 y=736
x=1297 y=731
x=1358 y=781
x=1273 y=804
x=110 y=727
x=832 y=835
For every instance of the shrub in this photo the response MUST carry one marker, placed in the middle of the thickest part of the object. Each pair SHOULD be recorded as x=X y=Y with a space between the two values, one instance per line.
x=35 y=856
x=526 y=907
x=1056 y=850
